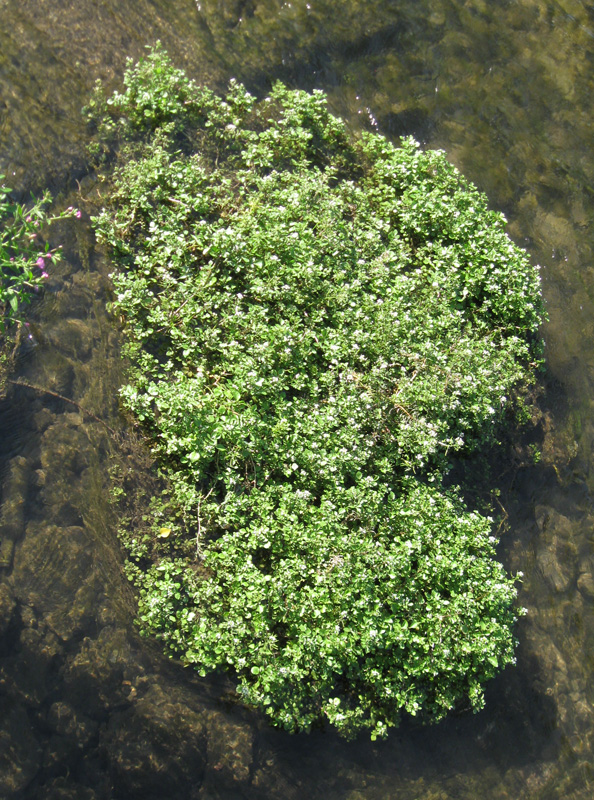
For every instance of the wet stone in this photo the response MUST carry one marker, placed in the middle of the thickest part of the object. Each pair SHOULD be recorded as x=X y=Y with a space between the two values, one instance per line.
x=42 y=419
x=228 y=12
x=60 y=753
x=54 y=570
x=12 y=518
x=38 y=478
x=553 y=571
x=66 y=446
x=271 y=780
x=554 y=665
x=7 y=608
x=6 y=552
x=100 y=676
x=29 y=671
x=585 y=583
x=74 y=338
x=20 y=754
x=557 y=554
x=78 y=294
x=141 y=740
x=57 y=374
x=65 y=454
x=66 y=721
x=66 y=789
x=230 y=750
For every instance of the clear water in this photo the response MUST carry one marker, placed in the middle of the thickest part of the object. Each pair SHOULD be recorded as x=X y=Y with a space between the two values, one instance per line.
x=87 y=710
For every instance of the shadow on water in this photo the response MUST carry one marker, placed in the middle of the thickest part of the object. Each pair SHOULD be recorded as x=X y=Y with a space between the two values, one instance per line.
x=17 y=429
x=88 y=709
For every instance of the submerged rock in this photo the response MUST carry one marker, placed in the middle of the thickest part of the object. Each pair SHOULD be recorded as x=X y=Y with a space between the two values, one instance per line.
x=557 y=575
x=12 y=518
x=75 y=338
x=585 y=580
x=66 y=789
x=557 y=554
x=7 y=608
x=100 y=675
x=52 y=571
x=20 y=753
x=67 y=721
x=230 y=751
x=140 y=742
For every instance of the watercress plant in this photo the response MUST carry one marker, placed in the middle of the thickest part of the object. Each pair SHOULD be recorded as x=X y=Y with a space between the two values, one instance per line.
x=316 y=322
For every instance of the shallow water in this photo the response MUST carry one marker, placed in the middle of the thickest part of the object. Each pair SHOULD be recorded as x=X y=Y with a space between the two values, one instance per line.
x=90 y=711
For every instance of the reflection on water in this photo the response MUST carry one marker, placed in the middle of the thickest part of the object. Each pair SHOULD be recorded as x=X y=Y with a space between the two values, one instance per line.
x=90 y=711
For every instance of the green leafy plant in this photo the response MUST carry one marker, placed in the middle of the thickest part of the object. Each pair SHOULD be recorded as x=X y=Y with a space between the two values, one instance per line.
x=24 y=261
x=316 y=323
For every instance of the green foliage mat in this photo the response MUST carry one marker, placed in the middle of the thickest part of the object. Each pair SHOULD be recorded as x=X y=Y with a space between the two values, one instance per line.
x=317 y=322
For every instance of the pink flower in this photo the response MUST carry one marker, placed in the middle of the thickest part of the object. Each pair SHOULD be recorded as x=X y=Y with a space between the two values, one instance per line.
x=40 y=262
x=78 y=214
x=29 y=219
x=44 y=275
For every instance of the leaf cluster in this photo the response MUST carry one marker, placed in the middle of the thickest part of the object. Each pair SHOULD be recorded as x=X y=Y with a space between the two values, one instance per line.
x=317 y=322
x=24 y=259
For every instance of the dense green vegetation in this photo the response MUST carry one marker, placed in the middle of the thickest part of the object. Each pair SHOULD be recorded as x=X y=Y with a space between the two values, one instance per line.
x=316 y=323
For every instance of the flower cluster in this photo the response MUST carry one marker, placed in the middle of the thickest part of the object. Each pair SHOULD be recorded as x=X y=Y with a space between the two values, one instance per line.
x=23 y=266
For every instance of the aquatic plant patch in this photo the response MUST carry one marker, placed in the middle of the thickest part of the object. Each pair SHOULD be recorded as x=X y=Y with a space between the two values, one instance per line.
x=24 y=261
x=316 y=323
